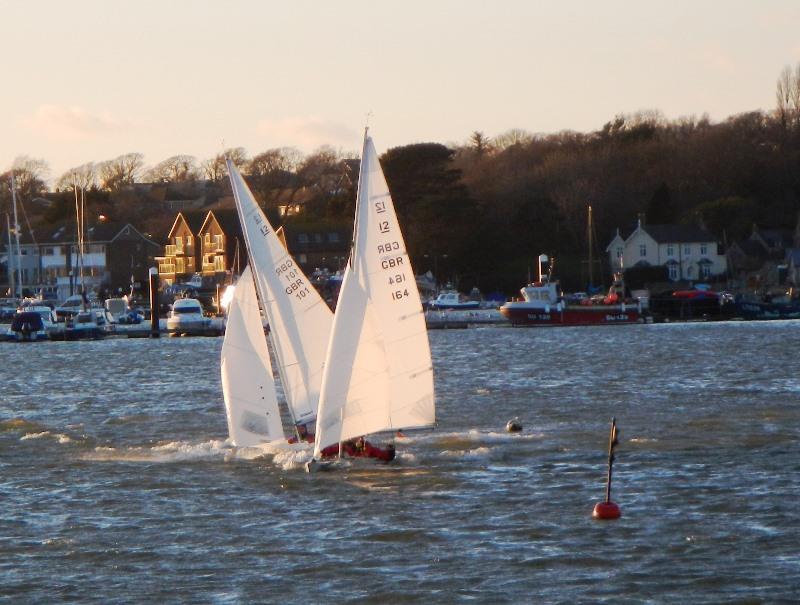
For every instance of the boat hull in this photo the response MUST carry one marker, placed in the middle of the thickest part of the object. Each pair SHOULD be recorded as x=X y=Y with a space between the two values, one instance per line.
x=523 y=314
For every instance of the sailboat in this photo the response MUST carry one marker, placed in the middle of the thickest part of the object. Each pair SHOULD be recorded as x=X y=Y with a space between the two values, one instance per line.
x=248 y=387
x=299 y=320
x=378 y=373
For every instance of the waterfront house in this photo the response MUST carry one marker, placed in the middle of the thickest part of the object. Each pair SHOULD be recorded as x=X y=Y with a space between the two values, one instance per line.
x=688 y=252
x=179 y=262
x=114 y=254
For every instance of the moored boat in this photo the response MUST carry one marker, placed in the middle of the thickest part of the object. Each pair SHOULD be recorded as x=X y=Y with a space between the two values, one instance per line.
x=450 y=299
x=544 y=305
x=186 y=317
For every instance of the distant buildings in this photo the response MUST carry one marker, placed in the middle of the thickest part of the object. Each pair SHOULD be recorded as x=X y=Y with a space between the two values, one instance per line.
x=49 y=260
x=688 y=252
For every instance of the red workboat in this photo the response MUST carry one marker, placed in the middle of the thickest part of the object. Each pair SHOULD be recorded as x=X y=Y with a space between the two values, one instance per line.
x=543 y=305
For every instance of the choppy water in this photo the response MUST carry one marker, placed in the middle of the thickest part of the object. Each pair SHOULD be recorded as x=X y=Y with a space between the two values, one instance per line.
x=117 y=486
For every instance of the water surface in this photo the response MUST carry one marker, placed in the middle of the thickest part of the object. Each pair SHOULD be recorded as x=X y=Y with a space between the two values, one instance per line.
x=118 y=486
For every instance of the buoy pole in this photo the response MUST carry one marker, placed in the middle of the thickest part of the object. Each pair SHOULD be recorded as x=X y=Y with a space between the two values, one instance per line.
x=608 y=509
x=155 y=328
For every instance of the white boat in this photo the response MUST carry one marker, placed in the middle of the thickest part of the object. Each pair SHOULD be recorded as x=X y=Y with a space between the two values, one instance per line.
x=378 y=373
x=251 y=404
x=299 y=320
x=90 y=324
x=70 y=306
x=186 y=317
x=450 y=299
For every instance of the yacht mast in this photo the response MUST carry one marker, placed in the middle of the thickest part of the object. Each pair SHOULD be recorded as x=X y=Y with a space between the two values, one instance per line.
x=18 y=260
x=11 y=281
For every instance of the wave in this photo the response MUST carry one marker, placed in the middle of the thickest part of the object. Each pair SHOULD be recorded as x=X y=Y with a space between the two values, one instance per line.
x=284 y=455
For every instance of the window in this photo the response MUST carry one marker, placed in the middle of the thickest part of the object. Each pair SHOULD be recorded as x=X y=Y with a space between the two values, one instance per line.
x=302 y=238
x=690 y=272
x=670 y=250
x=687 y=249
x=642 y=250
x=302 y=259
x=705 y=270
x=333 y=237
x=673 y=272
x=703 y=249
x=619 y=251
x=317 y=238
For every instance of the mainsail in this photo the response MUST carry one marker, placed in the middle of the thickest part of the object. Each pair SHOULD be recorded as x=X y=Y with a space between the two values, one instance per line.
x=299 y=320
x=247 y=383
x=378 y=373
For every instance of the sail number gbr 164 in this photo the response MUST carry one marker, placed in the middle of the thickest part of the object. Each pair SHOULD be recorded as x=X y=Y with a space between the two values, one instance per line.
x=295 y=284
x=396 y=264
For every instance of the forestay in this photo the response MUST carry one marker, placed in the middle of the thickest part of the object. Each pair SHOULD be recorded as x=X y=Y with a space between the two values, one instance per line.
x=248 y=387
x=300 y=321
x=378 y=373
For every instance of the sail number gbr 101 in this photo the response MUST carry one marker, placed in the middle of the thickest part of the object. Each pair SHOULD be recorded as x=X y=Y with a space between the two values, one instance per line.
x=295 y=284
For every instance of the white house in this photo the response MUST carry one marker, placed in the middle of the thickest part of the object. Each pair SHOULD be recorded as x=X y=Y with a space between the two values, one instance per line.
x=688 y=252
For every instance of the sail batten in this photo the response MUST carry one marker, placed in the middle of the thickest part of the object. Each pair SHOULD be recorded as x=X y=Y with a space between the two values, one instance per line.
x=377 y=372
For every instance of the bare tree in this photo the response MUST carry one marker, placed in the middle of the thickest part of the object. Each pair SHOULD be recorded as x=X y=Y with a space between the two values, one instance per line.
x=84 y=176
x=787 y=96
x=283 y=159
x=515 y=136
x=319 y=168
x=29 y=176
x=121 y=171
x=177 y=169
x=214 y=169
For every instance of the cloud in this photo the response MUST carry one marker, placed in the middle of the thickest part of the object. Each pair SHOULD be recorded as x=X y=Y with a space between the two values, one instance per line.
x=306 y=132
x=71 y=123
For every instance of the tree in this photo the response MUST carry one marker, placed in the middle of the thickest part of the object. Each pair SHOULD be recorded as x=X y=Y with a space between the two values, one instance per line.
x=84 y=176
x=29 y=177
x=787 y=95
x=479 y=143
x=176 y=169
x=215 y=169
x=121 y=171
x=272 y=172
x=510 y=138
x=435 y=209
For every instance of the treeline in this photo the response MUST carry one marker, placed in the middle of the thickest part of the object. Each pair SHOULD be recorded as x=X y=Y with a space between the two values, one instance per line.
x=480 y=213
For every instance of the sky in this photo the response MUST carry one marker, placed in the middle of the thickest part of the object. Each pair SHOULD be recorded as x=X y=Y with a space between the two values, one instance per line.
x=89 y=80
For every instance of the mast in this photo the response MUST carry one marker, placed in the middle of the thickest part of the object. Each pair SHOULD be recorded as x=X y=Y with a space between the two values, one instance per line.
x=11 y=281
x=591 y=246
x=17 y=262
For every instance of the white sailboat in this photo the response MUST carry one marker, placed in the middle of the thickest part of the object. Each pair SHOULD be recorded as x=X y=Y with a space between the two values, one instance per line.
x=300 y=321
x=248 y=387
x=378 y=373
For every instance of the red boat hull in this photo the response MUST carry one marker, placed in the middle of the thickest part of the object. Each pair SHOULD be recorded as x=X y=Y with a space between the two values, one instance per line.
x=519 y=314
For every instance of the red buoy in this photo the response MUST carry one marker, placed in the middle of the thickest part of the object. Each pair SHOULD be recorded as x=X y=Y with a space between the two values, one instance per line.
x=606 y=510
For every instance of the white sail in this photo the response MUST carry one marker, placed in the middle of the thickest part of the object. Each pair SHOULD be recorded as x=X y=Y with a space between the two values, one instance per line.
x=378 y=373
x=247 y=383
x=300 y=321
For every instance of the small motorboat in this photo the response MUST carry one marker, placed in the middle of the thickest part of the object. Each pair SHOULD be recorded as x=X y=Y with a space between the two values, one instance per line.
x=187 y=318
x=31 y=324
x=450 y=299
